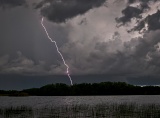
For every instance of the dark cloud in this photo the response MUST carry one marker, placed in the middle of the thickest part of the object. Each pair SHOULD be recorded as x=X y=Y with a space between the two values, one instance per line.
x=150 y=22
x=131 y=1
x=11 y=3
x=129 y=13
x=134 y=12
x=153 y=22
x=21 y=65
x=143 y=1
x=19 y=82
x=62 y=10
x=25 y=66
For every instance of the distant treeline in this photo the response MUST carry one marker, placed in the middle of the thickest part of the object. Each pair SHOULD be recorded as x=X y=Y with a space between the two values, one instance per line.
x=104 y=88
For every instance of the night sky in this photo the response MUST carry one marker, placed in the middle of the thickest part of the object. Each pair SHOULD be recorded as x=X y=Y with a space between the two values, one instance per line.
x=101 y=40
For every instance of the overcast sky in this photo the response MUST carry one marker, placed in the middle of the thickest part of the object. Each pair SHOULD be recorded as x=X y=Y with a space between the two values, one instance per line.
x=101 y=40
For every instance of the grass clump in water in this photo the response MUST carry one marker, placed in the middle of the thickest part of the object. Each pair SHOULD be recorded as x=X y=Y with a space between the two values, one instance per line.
x=123 y=110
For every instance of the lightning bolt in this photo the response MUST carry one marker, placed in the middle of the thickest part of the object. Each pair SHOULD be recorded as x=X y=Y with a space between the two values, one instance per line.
x=67 y=70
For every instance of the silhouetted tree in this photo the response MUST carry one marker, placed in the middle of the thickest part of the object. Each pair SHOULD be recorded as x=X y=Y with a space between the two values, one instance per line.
x=103 y=88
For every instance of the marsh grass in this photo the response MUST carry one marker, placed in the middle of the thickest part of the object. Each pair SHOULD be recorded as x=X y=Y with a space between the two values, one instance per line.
x=123 y=110
x=17 y=112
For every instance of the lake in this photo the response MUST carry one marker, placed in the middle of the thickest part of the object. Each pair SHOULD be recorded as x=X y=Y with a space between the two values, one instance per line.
x=43 y=101
x=135 y=106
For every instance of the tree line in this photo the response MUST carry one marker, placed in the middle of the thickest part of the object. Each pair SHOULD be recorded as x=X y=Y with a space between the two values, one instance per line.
x=103 y=88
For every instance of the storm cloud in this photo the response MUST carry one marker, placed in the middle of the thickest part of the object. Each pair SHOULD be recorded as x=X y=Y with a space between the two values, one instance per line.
x=134 y=9
x=25 y=66
x=139 y=56
x=143 y=13
x=88 y=37
x=11 y=3
x=62 y=10
x=129 y=12
x=87 y=46
x=153 y=22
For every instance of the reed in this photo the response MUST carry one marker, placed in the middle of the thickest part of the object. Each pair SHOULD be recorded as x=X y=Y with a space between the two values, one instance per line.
x=123 y=110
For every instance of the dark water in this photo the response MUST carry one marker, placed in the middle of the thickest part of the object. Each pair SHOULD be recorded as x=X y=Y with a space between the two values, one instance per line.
x=43 y=101
x=139 y=106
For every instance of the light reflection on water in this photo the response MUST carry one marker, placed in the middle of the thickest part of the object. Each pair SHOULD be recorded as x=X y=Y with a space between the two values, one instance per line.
x=80 y=106
x=42 y=101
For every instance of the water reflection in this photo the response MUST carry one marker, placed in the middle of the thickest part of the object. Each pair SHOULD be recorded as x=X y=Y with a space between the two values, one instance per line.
x=42 y=101
x=80 y=107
